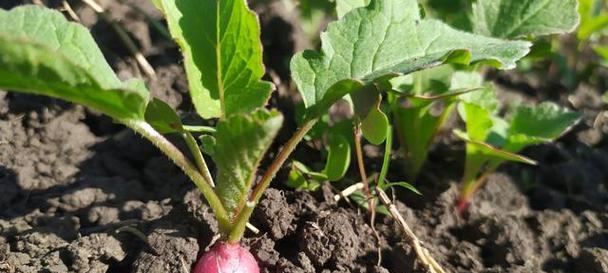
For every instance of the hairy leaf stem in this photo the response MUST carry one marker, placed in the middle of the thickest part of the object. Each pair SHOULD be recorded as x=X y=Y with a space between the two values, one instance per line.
x=238 y=228
x=198 y=157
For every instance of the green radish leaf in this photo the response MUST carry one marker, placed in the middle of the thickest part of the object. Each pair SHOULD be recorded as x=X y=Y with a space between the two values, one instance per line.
x=388 y=38
x=484 y=98
x=338 y=157
x=417 y=125
x=241 y=142
x=208 y=144
x=162 y=117
x=366 y=106
x=43 y=53
x=520 y=18
x=434 y=81
x=364 y=100
x=404 y=185
x=336 y=92
x=542 y=123
x=594 y=18
x=345 y=6
x=220 y=41
x=466 y=80
x=307 y=171
x=297 y=178
x=602 y=51
x=429 y=100
x=478 y=121
x=490 y=152
x=374 y=126
x=592 y=26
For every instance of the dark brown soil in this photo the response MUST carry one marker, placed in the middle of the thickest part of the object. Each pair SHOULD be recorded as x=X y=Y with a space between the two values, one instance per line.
x=79 y=193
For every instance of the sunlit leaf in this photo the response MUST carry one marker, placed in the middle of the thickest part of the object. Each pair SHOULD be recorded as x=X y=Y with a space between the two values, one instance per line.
x=520 y=18
x=43 y=53
x=388 y=38
x=542 y=123
x=220 y=41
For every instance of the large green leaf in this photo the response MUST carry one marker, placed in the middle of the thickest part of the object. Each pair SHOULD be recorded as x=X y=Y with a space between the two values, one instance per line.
x=389 y=37
x=241 y=142
x=519 y=18
x=542 y=123
x=220 y=41
x=42 y=53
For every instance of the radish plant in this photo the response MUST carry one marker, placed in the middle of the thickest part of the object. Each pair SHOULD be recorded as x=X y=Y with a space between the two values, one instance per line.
x=42 y=53
x=421 y=102
x=492 y=140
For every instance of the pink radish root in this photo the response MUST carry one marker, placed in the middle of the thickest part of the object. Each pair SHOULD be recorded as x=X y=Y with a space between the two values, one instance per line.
x=227 y=258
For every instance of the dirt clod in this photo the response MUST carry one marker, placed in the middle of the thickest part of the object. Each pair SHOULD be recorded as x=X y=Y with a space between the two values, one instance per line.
x=94 y=253
x=275 y=214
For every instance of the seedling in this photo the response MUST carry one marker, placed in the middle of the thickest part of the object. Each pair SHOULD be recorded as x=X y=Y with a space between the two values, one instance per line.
x=425 y=101
x=492 y=140
x=42 y=53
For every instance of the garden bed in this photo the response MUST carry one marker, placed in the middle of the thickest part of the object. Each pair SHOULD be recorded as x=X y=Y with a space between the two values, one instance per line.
x=79 y=193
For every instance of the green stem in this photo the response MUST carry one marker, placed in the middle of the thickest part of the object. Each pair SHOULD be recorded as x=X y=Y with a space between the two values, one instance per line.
x=199 y=129
x=189 y=169
x=386 y=161
x=198 y=157
x=238 y=228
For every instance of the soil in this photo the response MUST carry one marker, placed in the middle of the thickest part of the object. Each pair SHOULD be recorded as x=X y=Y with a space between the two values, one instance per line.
x=82 y=194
